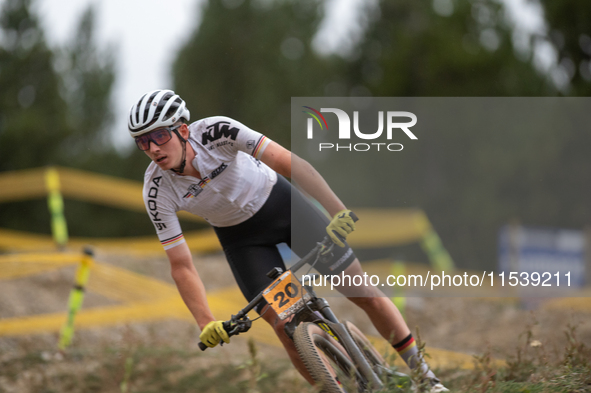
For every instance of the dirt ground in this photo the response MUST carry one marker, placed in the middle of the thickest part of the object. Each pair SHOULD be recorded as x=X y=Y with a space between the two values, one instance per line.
x=466 y=325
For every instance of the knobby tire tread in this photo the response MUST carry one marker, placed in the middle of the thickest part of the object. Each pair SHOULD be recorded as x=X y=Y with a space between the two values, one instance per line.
x=312 y=358
x=372 y=355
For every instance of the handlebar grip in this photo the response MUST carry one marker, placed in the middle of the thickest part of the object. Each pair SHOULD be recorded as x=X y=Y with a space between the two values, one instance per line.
x=227 y=327
x=355 y=219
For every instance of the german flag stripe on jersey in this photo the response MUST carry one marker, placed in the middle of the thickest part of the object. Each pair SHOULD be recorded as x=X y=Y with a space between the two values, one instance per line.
x=260 y=147
x=173 y=241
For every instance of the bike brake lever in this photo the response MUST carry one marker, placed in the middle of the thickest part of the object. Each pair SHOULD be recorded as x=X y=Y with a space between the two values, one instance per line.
x=326 y=248
x=237 y=327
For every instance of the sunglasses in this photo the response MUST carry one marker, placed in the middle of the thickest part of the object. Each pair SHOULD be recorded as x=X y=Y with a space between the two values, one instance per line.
x=158 y=137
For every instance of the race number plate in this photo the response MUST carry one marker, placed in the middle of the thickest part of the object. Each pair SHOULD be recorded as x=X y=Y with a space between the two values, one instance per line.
x=284 y=295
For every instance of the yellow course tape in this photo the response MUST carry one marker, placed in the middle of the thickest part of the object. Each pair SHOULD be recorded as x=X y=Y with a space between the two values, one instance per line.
x=581 y=303
x=95 y=317
x=149 y=300
x=18 y=265
x=380 y=228
x=24 y=241
x=198 y=241
x=383 y=227
x=121 y=284
x=80 y=185
x=22 y=185
x=388 y=227
x=57 y=258
x=377 y=227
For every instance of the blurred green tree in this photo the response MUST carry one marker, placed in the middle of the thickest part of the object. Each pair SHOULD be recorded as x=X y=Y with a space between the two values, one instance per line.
x=569 y=30
x=55 y=109
x=443 y=48
x=469 y=180
x=248 y=58
x=33 y=114
x=88 y=78
x=51 y=116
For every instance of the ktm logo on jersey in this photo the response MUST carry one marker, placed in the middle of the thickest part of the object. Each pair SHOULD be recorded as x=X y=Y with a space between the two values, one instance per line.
x=218 y=130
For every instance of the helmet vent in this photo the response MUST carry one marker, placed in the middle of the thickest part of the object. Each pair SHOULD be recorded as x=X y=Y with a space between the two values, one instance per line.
x=173 y=108
x=158 y=108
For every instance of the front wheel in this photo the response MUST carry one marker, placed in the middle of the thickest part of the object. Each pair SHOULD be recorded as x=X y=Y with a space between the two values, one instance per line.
x=392 y=379
x=375 y=359
x=326 y=360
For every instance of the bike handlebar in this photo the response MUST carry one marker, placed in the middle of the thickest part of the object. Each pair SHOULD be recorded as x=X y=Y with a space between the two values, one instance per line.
x=233 y=328
x=237 y=325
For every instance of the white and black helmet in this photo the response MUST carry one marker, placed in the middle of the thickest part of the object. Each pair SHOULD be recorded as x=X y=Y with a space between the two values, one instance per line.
x=156 y=109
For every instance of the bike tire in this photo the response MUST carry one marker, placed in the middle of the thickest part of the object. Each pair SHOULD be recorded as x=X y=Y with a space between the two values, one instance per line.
x=326 y=360
x=377 y=362
x=372 y=355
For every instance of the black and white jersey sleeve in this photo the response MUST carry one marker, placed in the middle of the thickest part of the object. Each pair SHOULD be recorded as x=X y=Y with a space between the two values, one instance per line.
x=226 y=135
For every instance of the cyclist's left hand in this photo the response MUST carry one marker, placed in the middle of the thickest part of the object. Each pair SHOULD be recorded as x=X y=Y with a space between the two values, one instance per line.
x=343 y=224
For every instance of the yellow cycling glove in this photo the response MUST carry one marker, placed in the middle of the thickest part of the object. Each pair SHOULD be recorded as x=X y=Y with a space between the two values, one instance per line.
x=343 y=224
x=212 y=333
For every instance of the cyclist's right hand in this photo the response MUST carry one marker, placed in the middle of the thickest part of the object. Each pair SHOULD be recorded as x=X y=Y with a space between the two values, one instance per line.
x=213 y=332
x=342 y=224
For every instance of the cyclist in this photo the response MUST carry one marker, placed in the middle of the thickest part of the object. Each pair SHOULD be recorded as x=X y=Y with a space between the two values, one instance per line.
x=234 y=178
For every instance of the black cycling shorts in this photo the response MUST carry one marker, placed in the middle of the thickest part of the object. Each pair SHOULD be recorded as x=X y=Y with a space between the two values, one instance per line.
x=251 y=246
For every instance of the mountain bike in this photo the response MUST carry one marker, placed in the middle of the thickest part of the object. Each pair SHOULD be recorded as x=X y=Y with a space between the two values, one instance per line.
x=337 y=355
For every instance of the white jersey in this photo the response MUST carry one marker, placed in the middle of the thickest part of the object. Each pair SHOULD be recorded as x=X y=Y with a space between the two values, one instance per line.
x=233 y=187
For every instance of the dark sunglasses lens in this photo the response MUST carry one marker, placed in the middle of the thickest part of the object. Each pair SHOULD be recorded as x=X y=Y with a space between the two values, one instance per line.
x=161 y=137
x=143 y=142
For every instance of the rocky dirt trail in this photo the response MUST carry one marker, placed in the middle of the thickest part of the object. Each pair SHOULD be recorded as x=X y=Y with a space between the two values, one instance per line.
x=467 y=325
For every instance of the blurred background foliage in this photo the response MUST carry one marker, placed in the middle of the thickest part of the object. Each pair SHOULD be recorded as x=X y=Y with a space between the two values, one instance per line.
x=247 y=58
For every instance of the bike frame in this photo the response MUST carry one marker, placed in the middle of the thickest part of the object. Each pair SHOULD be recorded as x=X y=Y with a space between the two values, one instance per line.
x=309 y=313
